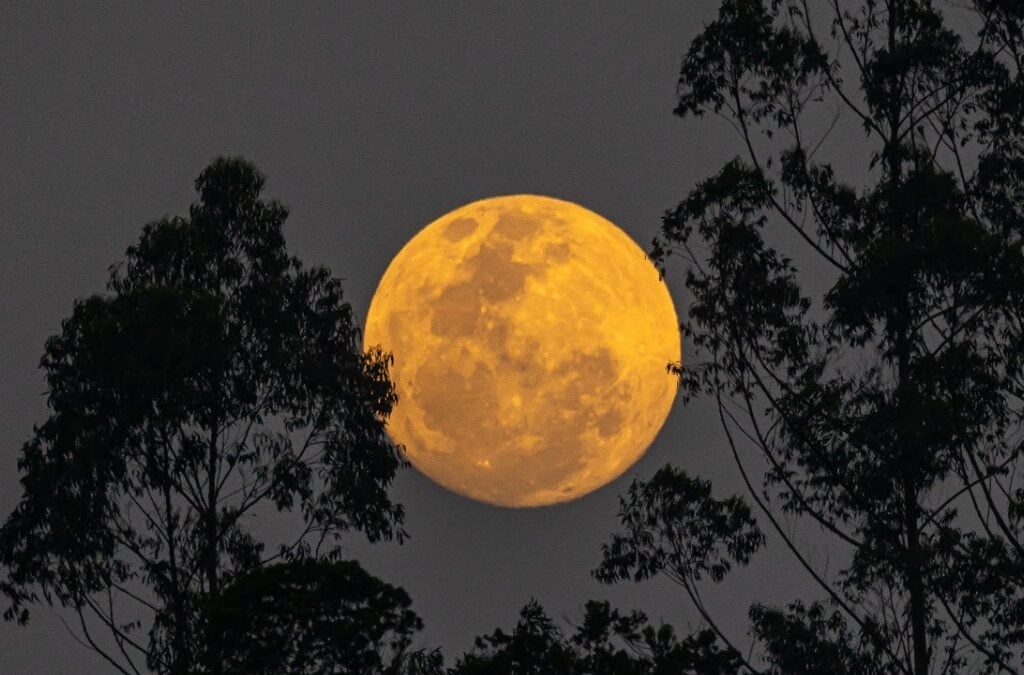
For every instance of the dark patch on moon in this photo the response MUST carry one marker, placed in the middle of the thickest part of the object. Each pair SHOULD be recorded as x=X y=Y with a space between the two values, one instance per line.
x=557 y=252
x=494 y=278
x=452 y=401
x=591 y=370
x=460 y=228
x=518 y=225
x=497 y=275
x=456 y=311
x=609 y=423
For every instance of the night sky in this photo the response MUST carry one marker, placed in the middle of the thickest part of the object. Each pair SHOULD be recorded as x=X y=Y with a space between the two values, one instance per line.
x=369 y=122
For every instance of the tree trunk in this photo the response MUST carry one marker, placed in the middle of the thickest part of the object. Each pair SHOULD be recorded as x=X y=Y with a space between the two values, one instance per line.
x=912 y=567
x=213 y=653
x=180 y=656
x=907 y=444
x=179 y=663
x=915 y=581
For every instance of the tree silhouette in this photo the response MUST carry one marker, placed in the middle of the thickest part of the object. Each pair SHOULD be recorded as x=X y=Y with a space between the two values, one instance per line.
x=218 y=375
x=316 y=616
x=886 y=401
x=605 y=643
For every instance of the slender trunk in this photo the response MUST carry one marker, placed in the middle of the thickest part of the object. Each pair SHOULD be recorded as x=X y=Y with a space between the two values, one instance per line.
x=213 y=661
x=178 y=597
x=213 y=655
x=912 y=563
x=911 y=527
x=180 y=656
x=912 y=567
x=909 y=447
x=915 y=582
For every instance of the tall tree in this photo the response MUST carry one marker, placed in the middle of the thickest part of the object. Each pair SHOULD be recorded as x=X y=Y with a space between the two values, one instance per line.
x=216 y=377
x=885 y=401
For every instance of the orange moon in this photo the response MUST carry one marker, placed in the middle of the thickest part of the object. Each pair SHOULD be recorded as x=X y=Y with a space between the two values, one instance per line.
x=530 y=339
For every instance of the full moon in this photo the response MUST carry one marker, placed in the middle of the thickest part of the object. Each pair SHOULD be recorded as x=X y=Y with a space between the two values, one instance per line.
x=530 y=339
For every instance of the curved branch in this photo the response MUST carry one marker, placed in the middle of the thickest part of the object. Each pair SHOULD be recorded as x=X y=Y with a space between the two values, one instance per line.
x=792 y=547
x=741 y=118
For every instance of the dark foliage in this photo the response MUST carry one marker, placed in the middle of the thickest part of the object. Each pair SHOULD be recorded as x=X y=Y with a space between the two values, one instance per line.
x=862 y=329
x=606 y=643
x=674 y=525
x=313 y=617
x=218 y=375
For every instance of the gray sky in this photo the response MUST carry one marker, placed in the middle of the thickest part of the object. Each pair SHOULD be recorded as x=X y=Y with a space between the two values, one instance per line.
x=370 y=120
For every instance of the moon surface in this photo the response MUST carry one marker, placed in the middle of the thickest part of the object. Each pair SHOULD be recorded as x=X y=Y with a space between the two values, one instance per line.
x=530 y=339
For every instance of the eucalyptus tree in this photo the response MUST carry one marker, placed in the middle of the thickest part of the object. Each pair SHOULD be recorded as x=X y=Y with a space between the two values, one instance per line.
x=217 y=376
x=855 y=281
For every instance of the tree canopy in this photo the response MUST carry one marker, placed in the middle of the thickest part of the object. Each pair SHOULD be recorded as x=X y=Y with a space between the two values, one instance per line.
x=216 y=376
x=607 y=642
x=885 y=402
x=314 y=616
